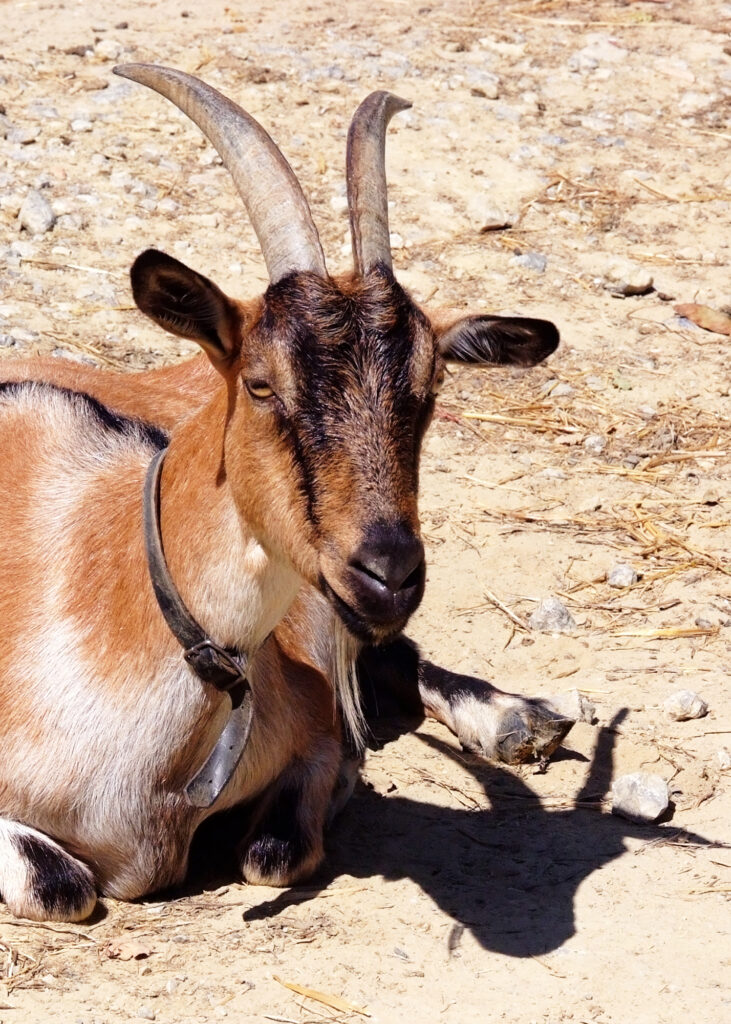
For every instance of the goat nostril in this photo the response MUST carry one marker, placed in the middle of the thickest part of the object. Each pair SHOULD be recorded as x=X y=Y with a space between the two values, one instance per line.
x=370 y=573
x=414 y=577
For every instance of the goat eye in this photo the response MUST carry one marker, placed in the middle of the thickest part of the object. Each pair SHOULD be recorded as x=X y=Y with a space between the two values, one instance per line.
x=259 y=389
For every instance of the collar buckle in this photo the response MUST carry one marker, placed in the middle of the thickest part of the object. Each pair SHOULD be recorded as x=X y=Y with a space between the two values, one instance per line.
x=221 y=668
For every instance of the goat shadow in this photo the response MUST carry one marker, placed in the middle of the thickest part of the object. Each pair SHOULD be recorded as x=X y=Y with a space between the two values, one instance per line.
x=508 y=874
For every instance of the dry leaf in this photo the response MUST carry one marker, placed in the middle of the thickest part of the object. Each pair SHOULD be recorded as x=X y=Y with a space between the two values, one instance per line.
x=129 y=949
x=335 y=1002
x=706 y=317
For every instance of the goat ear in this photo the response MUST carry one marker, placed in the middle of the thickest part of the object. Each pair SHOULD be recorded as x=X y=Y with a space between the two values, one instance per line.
x=186 y=303
x=499 y=340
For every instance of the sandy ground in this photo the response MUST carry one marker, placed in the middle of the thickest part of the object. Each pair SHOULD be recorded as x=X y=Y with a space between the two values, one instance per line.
x=454 y=891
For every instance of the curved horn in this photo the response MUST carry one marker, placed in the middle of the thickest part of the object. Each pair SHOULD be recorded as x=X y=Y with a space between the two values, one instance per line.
x=272 y=195
x=366 y=174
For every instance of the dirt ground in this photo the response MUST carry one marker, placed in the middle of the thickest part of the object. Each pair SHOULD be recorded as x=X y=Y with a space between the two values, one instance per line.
x=454 y=891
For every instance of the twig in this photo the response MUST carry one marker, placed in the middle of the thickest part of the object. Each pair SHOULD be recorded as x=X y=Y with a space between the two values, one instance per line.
x=506 y=611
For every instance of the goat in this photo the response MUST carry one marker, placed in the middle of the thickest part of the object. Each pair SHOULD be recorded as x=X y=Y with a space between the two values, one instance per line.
x=277 y=542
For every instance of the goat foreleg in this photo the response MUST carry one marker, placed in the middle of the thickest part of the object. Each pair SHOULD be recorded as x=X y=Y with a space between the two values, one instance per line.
x=495 y=725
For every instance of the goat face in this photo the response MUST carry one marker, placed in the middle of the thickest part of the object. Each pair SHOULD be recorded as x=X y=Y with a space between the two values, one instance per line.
x=331 y=387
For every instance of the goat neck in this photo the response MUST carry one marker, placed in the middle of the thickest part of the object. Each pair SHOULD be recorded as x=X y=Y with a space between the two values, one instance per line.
x=233 y=586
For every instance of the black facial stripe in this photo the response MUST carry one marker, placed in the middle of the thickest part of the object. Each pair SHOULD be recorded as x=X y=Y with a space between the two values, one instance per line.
x=304 y=470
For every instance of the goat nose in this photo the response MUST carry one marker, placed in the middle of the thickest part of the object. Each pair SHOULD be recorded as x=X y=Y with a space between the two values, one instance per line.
x=391 y=558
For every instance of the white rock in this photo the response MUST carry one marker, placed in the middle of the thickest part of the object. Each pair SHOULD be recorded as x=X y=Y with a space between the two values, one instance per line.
x=108 y=49
x=622 y=575
x=573 y=705
x=641 y=797
x=338 y=203
x=684 y=705
x=23 y=136
x=486 y=215
x=724 y=759
x=622 y=277
x=36 y=215
x=595 y=444
x=552 y=616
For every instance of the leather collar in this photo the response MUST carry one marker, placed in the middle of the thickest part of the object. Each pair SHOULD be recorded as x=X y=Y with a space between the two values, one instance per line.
x=222 y=667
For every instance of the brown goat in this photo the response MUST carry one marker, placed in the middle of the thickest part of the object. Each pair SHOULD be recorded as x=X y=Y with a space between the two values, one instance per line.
x=287 y=508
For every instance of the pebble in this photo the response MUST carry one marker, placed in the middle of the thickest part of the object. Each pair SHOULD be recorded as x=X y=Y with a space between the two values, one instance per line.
x=622 y=277
x=647 y=412
x=486 y=215
x=81 y=124
x=23 y=136
x=595 y=444
x=573 y=705
x=684 y=705
x=108 y=49
x=622 y=575
x=488 y=87
x=552 y=616
x=146 y=1012
x=36 y=215
x=641 y=797
x=724 y=759
x=532 y=260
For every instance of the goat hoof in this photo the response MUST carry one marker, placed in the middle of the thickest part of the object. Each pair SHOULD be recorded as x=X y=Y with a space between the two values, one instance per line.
x=40 y=880
x=530 y=731
x=502 y=727
x=270 y=860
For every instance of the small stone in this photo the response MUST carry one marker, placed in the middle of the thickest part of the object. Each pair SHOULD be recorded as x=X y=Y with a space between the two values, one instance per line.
x=489 y=87
x=23 y=136
x=562 y=390
x=621 y=277
x=641 y=797
x=647 y=412
x=684 y=705
x=486 y=215
x=81 y=124
x=36 y=215
x=108 y=49
x=724 y=759
x=553 y=473
x=573 y=705
x=532 y=260
x=146 y=1012
x=552 y=616
x=595 y=444
x=622 y=575
x=704 y=621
